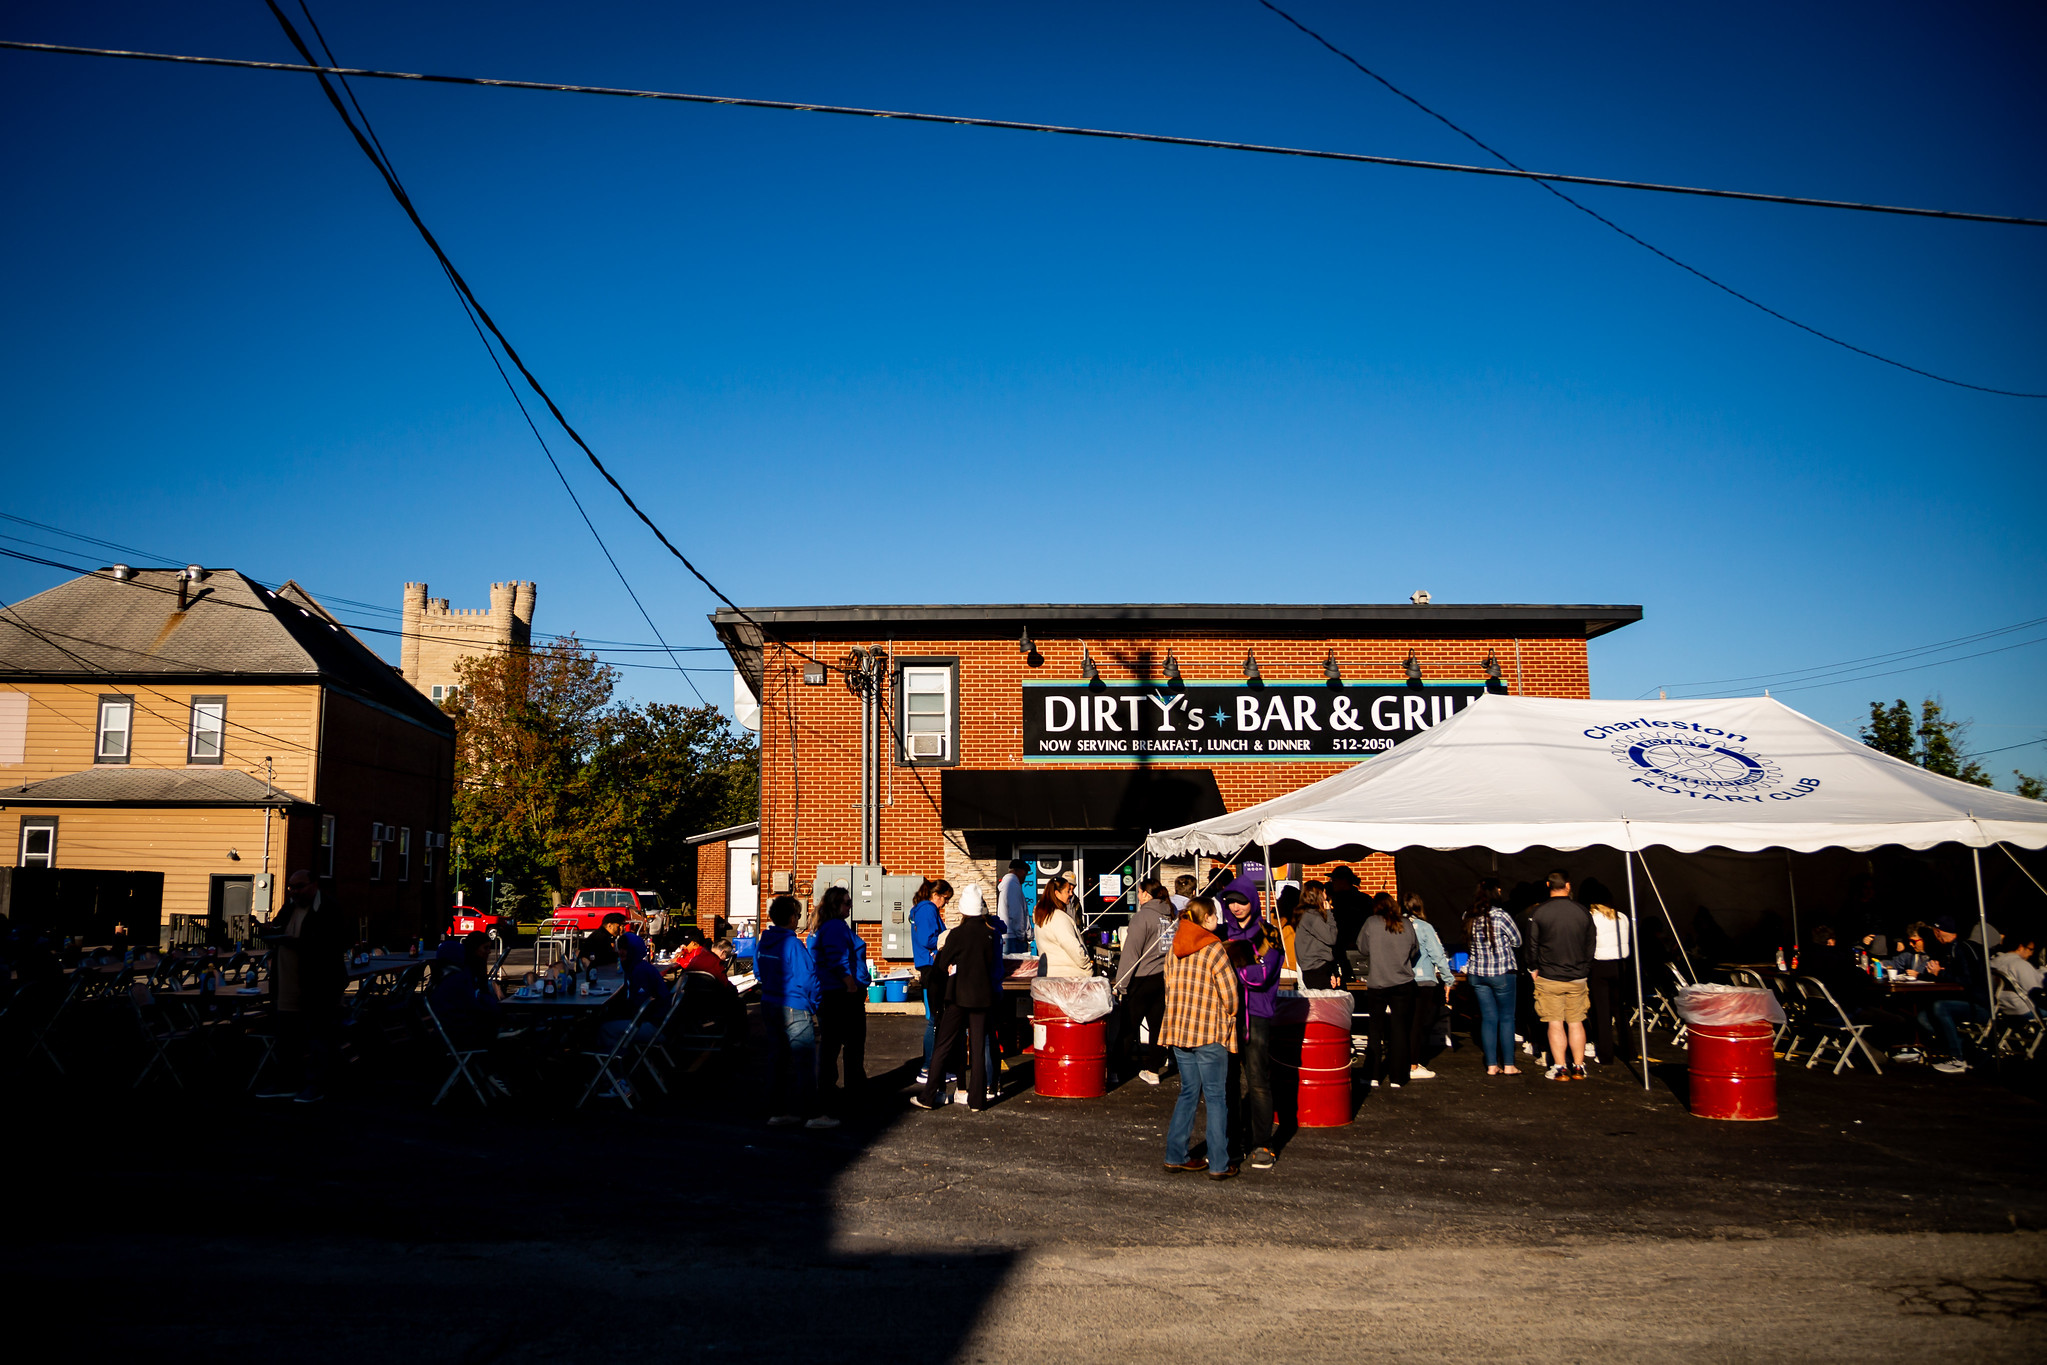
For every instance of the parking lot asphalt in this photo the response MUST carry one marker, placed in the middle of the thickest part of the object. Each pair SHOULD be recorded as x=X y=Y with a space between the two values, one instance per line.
x=1892 y=1217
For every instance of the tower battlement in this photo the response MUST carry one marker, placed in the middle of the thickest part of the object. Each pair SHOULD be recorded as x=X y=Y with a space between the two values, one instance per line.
x=439 y=637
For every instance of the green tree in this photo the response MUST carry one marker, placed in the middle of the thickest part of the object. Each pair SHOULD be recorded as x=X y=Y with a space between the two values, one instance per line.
x=2031 y=787
x=1890 y=730
x=666 y=772
x=1940 y=746
x=527 y=724
x=1934 y=743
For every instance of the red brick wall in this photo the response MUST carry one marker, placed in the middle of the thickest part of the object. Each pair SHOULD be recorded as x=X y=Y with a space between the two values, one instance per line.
x=713 y=863
x=825 y=721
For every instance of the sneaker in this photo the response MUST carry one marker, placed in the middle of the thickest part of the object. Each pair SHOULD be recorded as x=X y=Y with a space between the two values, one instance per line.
x=1951 y=1068
x=1556 y=1073
x=1148 y=1077
x=921 y=1102
x=1591 y=1052
x=993 y=1095
x=788 y=1120
x=1228 y=1172
x=1262 y=1159
x=924 y=1076
x=1420 y=1073
x=1908 y=1054
x=1528 y=1048
x=1578 y=1073
x=822 y=1121
x=1375 y=1085
x=1192 y=1163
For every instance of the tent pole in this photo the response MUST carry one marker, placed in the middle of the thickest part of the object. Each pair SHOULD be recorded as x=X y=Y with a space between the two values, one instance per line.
x=2022 y=868
x=1635 y=942
x=1791 y=880
x=1983 y=919
x=1271 y=906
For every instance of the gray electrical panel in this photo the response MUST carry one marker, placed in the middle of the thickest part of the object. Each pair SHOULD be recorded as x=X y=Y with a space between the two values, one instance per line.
x=829 y=875
x=867 y=880
x=898 y=897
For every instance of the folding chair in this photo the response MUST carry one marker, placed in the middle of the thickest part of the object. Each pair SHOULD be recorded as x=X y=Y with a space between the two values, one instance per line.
x=1831 y=1025
x=1746 y=976
x=643 y=1053
x=607 y=1059
x=158 y=1033
x=2011 y=1033
x=461 y=1057
x=39 y=1034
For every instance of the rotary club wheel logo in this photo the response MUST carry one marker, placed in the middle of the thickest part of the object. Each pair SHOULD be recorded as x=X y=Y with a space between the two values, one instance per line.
x=1696 y=764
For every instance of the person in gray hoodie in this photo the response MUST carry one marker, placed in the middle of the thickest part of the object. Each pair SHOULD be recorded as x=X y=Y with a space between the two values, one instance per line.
x=1390 y=942
x=1141 y=981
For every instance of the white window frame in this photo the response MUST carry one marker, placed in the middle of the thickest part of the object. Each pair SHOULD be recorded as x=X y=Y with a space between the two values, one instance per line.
x=915 y=676
x=114 y=702
x=377 y=853
x=29 y=825
x=201 y=706
x=405 y=853
x=327 y=847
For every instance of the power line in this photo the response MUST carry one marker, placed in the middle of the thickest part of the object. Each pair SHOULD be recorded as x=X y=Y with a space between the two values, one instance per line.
x=1914 y=668
x=462 y=286
x=1015 y=125
x=1543 y=182
x=1795 y=675
x=383 y=160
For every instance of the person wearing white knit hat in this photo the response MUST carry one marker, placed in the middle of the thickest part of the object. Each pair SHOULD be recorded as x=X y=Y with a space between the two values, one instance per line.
x=970 y=962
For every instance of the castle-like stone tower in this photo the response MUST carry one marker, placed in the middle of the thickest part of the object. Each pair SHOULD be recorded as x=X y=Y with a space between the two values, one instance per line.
x=437 y=638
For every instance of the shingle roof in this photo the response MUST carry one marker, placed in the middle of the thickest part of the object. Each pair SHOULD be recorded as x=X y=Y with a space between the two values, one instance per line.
x=230 y=629
x=120 y=786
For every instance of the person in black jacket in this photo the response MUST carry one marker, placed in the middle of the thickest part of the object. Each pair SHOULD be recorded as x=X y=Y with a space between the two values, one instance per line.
x=970 y=962
x=308 y=973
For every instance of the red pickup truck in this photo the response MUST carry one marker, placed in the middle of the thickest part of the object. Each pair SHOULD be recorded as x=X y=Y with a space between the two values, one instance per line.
x=588 y=907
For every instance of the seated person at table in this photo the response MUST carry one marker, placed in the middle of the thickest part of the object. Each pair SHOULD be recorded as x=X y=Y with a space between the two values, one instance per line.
x=1833 y=966
x=693 y=956
x=1959 y=964
x=2021 y=991
x=1912 y=959
x=464 y=998
x=642 y=984
x=602 y=947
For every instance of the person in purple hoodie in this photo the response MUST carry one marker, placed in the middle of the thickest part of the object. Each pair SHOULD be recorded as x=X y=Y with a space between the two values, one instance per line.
x=1257 y=954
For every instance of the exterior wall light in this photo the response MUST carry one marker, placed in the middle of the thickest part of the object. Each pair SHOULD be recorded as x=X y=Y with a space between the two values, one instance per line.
x=1414 y=670
x=1172 y=669
x=1087 y=666
x=1024 y=646
x=1251 y=673
x=1330 y=670
x=1492 y=674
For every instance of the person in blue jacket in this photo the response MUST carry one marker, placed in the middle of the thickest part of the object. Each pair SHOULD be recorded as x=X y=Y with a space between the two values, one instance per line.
x=927 y=922
x=788 y=985
x=839 y=957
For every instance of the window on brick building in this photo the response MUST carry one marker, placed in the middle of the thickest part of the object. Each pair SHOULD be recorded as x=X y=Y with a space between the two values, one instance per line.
x=927 y=711
x=327 y=846
x=405 y=853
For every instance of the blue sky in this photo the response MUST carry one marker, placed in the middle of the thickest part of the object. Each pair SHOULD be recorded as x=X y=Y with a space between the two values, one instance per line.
x=846 y=360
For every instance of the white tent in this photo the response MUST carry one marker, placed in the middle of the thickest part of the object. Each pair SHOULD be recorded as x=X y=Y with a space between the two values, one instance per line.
x=1510 y=773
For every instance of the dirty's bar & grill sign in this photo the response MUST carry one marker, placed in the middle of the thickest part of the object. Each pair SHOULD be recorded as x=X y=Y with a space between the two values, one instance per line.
x=1078 y=722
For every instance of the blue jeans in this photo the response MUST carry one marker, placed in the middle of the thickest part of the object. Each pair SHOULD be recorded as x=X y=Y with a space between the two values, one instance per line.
x=1940 y=1015
x=1204 y=1075
x=792 y=1038
x=1496 y=1017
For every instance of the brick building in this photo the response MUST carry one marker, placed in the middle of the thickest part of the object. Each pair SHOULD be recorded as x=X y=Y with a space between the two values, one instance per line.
x=946 y=740
x=438 y=638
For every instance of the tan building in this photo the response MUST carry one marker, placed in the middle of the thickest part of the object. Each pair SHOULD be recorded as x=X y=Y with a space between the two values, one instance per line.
x=192 y=723
x=438 y=637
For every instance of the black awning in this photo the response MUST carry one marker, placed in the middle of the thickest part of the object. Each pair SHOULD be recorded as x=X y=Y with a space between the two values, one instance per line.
x=1143 y=799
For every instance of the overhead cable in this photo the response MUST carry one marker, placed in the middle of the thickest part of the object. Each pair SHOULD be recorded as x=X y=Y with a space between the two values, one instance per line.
x=1017 y=125
x=1544 y=182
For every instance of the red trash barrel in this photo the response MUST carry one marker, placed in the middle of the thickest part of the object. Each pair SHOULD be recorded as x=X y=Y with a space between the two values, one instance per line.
x=1072 y=1060
x=1325 y=1076
x=1733 y=1071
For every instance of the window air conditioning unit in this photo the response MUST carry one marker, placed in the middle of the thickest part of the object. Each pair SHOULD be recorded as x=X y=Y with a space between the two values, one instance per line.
x=927 y=746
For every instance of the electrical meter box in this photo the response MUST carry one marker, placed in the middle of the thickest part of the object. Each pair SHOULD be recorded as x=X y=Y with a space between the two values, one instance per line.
x=898 y=896
x=830 y=875
x=867 y=880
